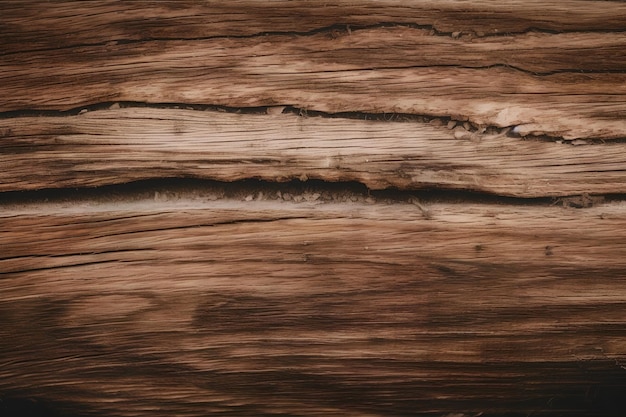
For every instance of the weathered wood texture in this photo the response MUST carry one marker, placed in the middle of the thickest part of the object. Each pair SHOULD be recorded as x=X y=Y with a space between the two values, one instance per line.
x=568 y=85
x=288 y=299
x=189 y=307
x=113 y=146
x=28 y=23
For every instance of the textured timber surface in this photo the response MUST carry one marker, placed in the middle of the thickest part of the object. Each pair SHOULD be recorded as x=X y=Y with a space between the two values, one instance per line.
x=192 y=306
x=113 y=146
x=569 y=84
x=313 y=208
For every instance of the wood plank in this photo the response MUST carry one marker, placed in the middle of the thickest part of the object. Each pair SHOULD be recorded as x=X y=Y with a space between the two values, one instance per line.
x=565 y=85
x=44 y=25
x=187 y=306
x=127 y=144
x=312 y=298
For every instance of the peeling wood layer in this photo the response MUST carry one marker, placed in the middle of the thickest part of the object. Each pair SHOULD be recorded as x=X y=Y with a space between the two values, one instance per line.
x=272 y=307
x=127 y=144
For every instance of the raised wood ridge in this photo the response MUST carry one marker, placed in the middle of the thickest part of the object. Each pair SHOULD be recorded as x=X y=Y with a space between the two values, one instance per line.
x=126 y=144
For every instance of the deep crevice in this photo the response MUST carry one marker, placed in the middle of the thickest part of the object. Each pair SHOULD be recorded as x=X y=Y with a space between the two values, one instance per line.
x=251 y=190
x=170 y=190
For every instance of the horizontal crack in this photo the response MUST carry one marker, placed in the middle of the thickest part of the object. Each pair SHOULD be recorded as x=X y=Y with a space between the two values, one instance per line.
x=171 y=190
x=479 y=67
x=333 y=31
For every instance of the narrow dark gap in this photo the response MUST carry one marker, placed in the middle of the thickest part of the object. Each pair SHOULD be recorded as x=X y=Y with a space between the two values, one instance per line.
x=260 y=110
x=333 y=31
x=164 y=189
x=346 y=28
x=106 y=105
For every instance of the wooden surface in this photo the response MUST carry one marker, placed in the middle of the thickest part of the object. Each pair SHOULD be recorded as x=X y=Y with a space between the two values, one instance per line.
x=568 y=84
x=313 y=208
x=271 y=306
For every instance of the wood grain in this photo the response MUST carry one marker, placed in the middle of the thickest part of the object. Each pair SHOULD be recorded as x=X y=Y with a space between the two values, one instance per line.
x=307 y=297
x=569 y=85
x=186 y=306
x=127 y=144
